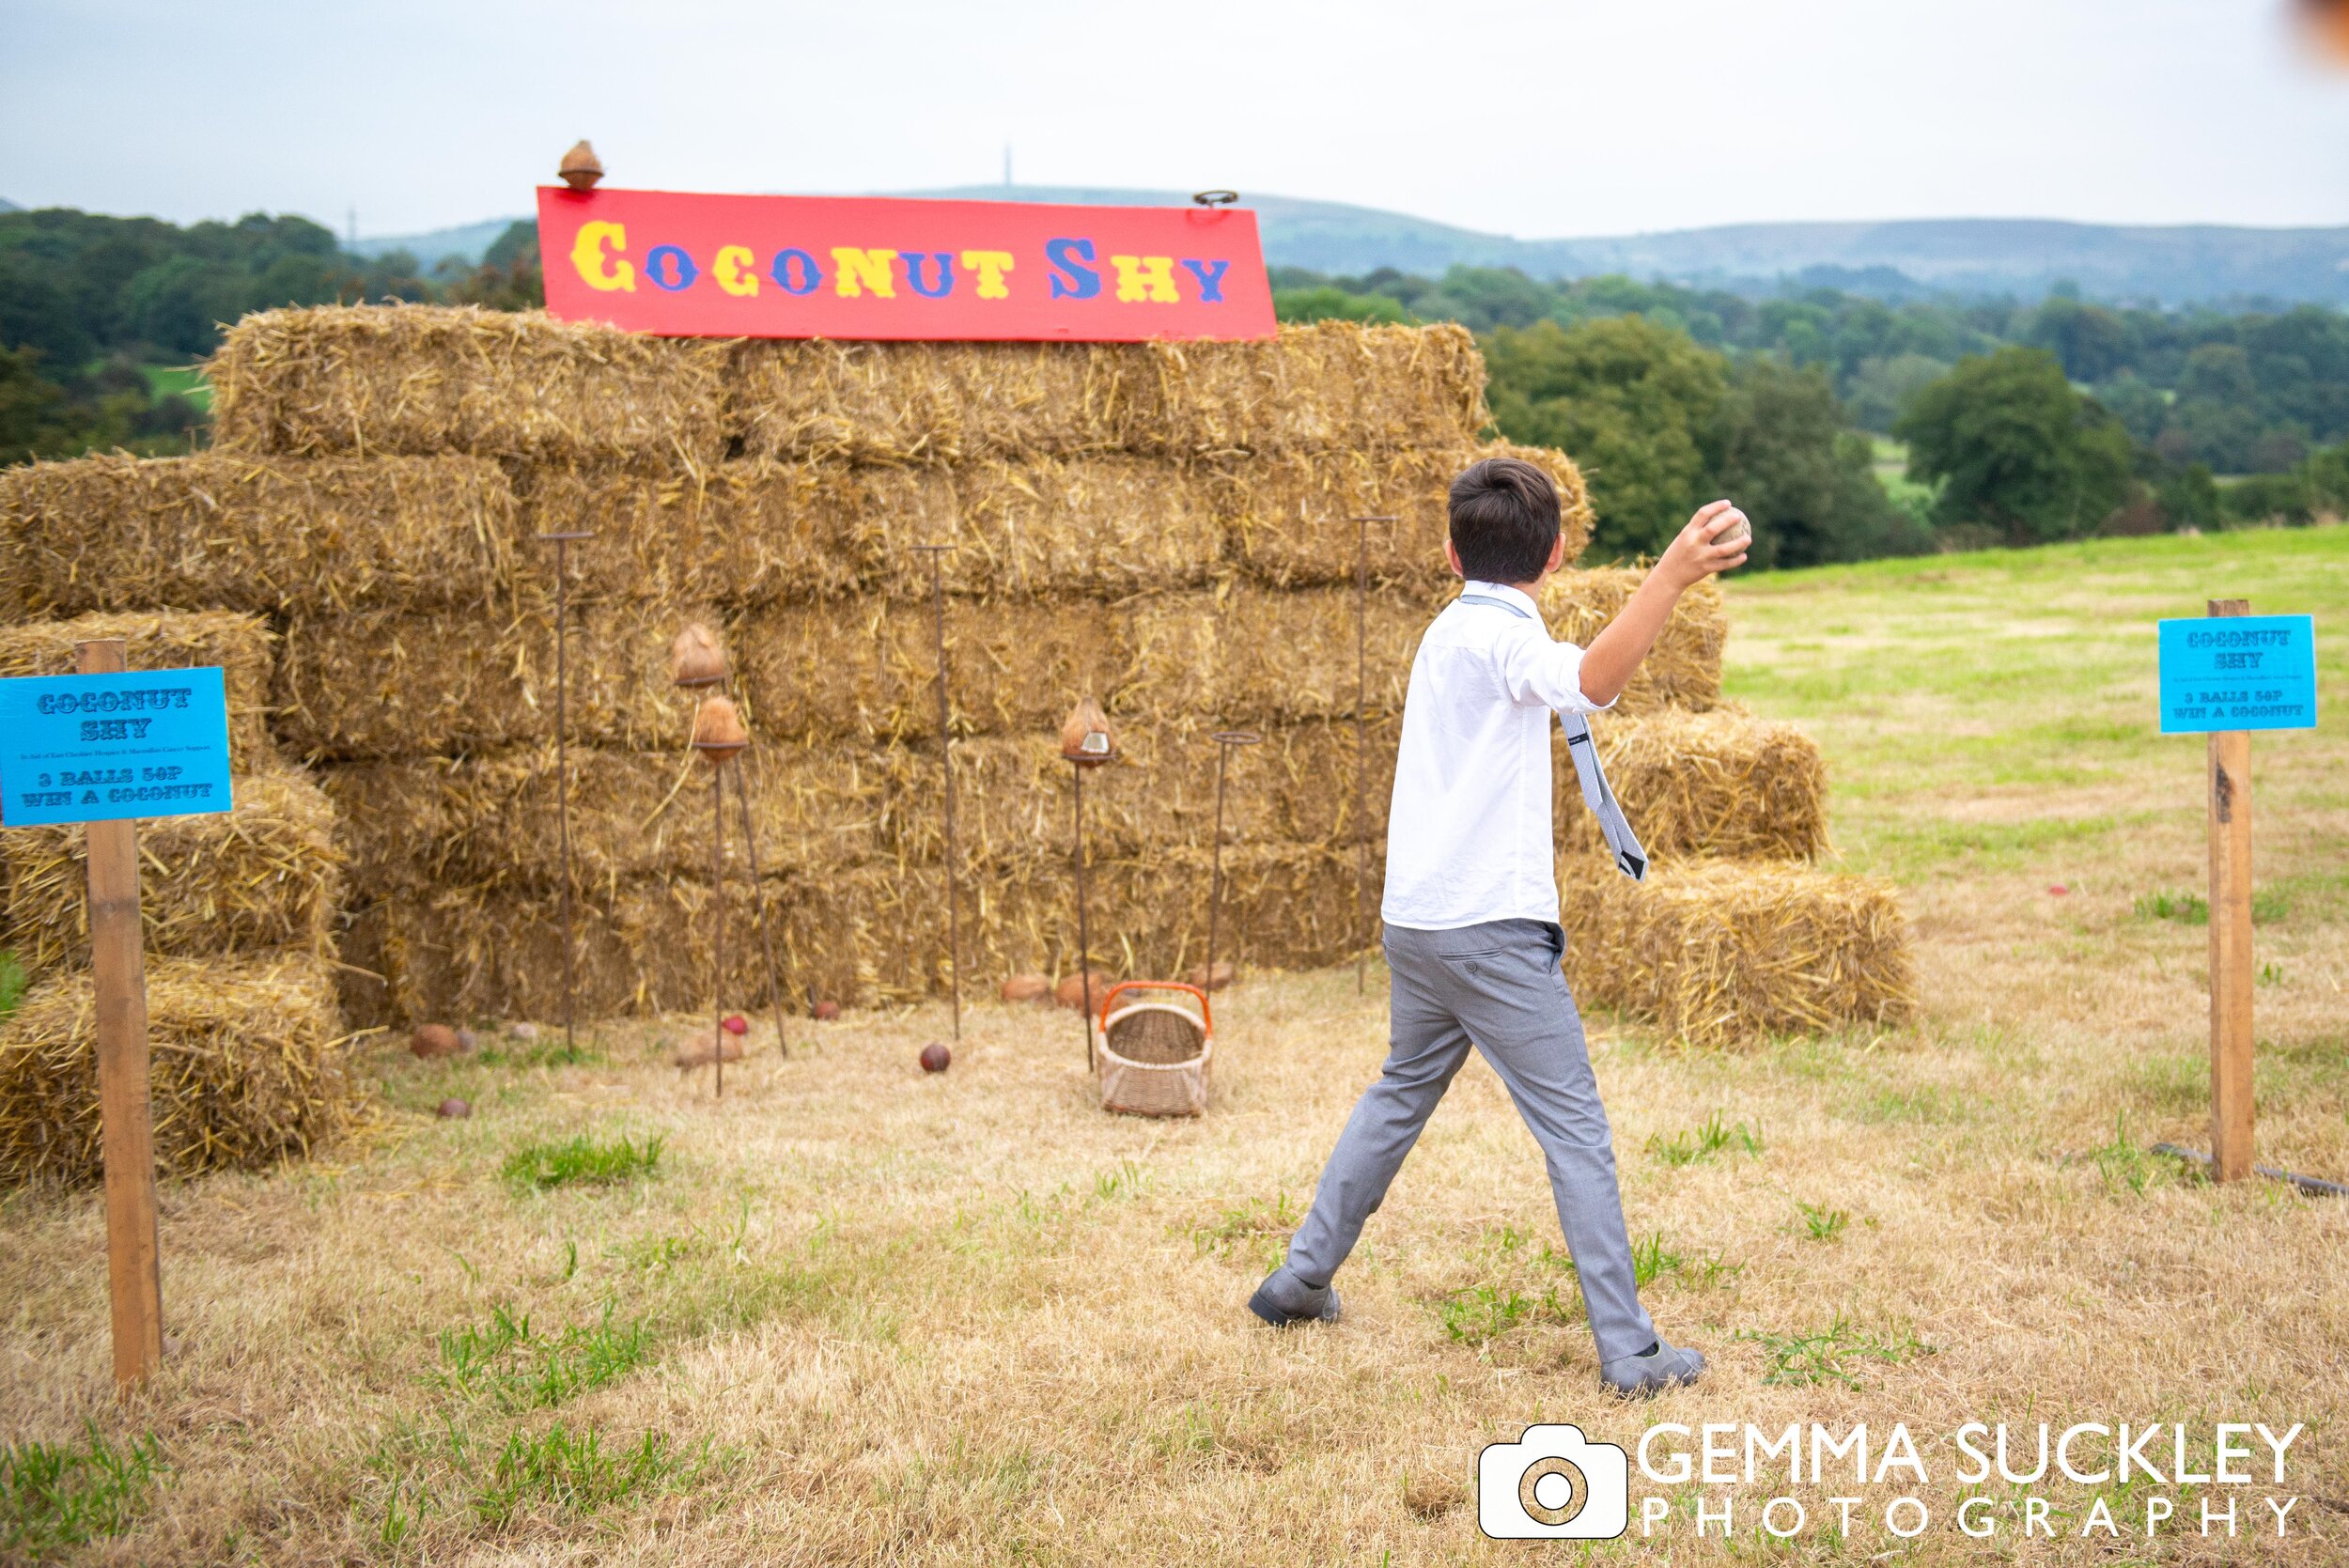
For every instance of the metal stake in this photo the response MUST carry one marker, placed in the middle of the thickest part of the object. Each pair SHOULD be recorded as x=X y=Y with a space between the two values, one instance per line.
x=758 y=901
x=1362 y=744
x=1224 y=742
x=717 y=925
x=947 y=766
x=1084 y=943
x=562 y=543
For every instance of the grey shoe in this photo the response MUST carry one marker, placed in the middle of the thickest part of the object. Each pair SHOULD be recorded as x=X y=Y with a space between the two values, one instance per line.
x=1284 y=1299
x=1663 y=1366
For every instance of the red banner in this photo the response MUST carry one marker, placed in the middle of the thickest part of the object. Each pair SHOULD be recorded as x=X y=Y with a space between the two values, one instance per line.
x=872 y=267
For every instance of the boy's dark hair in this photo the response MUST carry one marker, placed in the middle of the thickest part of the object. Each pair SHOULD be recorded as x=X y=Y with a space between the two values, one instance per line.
x=1504 y=520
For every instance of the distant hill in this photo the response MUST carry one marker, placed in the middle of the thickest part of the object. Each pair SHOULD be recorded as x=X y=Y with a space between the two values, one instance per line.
x=468 y=241
x=7 y=206
x=2023 y=256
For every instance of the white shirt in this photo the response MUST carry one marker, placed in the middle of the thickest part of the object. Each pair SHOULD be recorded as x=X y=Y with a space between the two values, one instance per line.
x=1469 y=832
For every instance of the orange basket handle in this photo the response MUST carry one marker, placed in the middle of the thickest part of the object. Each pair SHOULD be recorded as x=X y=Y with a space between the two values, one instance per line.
x=1207 y=1019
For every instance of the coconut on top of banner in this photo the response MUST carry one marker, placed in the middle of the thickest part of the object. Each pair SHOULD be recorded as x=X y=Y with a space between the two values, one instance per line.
x=873 y=267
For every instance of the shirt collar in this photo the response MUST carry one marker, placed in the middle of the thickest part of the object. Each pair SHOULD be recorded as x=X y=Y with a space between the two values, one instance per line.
x=1502 y=591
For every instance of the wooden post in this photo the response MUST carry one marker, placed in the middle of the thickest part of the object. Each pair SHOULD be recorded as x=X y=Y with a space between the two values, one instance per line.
x=2230 y=1110
x=133 y=1275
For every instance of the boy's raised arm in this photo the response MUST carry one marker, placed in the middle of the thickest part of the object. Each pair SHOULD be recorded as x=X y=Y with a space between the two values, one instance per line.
x=1713 y=541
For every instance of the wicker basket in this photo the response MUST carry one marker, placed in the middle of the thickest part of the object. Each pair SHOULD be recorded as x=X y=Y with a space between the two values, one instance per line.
x=1155 y=1050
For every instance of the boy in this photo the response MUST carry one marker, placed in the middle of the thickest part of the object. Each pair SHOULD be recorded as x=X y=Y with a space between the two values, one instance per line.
x=1471 y=902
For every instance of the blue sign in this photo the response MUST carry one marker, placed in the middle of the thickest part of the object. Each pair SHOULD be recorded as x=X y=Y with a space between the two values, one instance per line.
x=2238 y=673
x=99 y=748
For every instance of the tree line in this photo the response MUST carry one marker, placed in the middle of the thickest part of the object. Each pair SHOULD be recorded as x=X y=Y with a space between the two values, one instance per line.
x=2022 y=422
x=100 y=316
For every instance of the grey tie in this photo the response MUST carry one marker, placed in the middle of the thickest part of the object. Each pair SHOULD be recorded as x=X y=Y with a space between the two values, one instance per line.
x=1630 y=859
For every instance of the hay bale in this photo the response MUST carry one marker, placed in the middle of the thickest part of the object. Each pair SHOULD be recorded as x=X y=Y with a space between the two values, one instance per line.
x=1682 y=670
x=1013 y=807
x=741 y=532
x=240 y=647
x=1011 y=802
x=389 y=684
x=1332 y=385
x=262 y=535
x=1723 y=783
x=863 y=669
x=1290 y=515
x=931 y=402
x=246 y=1069
x=1723 y=953
x=876 y=932
x=643 y=949
x=1285 y=906
x=432 y=379
x=490 y=820
x=1252 y=656
x=866 y=671
x=1101 y=526
x=262 y=877
x=758 y=531
x=1256 y=656
x=1302 y=782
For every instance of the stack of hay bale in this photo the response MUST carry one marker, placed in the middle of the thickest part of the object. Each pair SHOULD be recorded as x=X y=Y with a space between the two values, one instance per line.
x=1169 y=528
x=239 y=910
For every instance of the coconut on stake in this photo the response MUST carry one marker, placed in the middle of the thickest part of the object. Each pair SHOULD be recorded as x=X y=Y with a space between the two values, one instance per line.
x=695 y=659
x=697 y=662
x=720 y=738
x=579 y=168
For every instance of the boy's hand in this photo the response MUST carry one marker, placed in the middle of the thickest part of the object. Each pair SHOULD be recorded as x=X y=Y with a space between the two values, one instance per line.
x=1715 y=539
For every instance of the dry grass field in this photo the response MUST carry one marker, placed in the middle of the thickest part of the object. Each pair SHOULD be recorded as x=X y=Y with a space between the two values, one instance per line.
x=854 y=1315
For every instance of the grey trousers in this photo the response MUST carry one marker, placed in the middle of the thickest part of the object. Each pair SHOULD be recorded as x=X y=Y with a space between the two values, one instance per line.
x=1496 y=985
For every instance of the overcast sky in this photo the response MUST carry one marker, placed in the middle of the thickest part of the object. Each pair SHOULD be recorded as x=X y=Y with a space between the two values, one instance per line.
x=1535 y=117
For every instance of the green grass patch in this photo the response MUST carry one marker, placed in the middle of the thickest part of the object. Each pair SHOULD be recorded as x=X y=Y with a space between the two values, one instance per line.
x=1923 y=1103
x=583 y=1162
x=58 y=1495
x=662 y=1254
x=2186 y=909
x=1829 y=1355
x=1125 y=1179
x=1715 y=1135
x=572 y=1472
x=2127 y=1166
x=505 y=1361
x=549 y=1050
x=2268 y=906
x=1651 y=1259
x=13 y=981
x=1251 y=1227
x=1916 y=848
x=178 y=380
x=1485 y=1311
x=1821 y=1223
